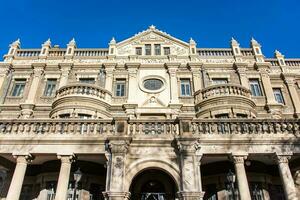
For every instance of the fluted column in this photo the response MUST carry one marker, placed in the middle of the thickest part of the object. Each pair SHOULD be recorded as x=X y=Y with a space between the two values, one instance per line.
x=286 y=177
x=109 y=69
x=18 y=177
x=64 y=175
x=5 y=78
x=242 y=181
x=65 y=69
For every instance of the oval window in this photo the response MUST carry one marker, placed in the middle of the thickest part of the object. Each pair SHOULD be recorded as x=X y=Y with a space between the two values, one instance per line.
x=153 y=84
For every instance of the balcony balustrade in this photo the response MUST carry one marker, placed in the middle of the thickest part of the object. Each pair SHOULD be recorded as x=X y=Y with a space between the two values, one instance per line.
x=83 y=90
x=82 y=96
x=224 y=98
x=236 y=128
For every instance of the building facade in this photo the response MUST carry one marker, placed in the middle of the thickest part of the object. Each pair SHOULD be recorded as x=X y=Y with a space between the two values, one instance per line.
x=149 y=117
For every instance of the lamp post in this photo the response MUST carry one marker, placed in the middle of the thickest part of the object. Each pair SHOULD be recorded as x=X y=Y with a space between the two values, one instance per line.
x=77 y=178
x=231 y=180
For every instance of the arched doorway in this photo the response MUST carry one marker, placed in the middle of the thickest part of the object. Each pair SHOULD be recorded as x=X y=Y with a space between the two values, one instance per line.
x=153 y=184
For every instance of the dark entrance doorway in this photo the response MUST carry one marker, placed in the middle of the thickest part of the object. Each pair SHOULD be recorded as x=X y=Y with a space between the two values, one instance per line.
x=153 y=184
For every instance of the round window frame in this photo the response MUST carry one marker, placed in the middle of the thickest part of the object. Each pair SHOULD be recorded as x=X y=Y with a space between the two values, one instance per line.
x=141 y=84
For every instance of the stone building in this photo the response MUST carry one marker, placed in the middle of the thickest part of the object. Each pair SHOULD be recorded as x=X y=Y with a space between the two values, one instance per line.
x=149 y=117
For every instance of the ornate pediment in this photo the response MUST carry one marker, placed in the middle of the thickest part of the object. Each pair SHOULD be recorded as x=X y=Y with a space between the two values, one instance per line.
x=152 y=36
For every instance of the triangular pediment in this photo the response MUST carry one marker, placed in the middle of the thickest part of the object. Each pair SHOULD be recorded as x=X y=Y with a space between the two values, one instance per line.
x=152 y=36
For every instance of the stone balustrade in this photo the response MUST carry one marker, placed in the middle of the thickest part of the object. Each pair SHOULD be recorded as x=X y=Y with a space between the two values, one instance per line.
x=204 y=127
x=222 y=90
x=246 y=127
x=83 y=89
x=154 y=127
x=56 y=127
x=28 y=52
x=57 y=52
x=90 y=52
x=219 y=52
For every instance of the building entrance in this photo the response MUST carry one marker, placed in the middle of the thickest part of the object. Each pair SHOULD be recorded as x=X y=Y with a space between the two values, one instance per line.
x=153 y=184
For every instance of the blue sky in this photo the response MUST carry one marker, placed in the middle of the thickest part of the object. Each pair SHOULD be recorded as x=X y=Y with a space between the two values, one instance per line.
x=211 y=23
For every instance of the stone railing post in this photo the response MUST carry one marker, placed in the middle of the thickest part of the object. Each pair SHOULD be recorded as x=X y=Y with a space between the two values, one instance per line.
x=115 y=185
x=15 y=188
x=286 y=177
x=242 y=181
x=64 y=175
x=189 y=162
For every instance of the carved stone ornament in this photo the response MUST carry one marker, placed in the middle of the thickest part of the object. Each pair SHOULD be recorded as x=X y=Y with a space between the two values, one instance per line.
x=238 y=159
x=27 y=158
x=281 y=159
x=119 y=146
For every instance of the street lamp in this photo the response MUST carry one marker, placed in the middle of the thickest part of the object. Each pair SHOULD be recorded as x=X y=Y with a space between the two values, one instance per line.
x=231 y=180
x=77 y=178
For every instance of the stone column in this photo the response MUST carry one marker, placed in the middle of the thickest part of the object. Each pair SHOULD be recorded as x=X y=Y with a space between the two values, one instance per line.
x=297 y=182
x=289 y=81
x=172 y=68
x=65 y=69
x=18 y=177
x=265 y=78
x=132 y=82
x=115 y=188
x=286 y=177
x=64 y=175
x=241 y=176
x=191 y=186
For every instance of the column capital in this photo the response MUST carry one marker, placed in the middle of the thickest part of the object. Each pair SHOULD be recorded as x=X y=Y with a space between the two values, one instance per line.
x=23 y=158
x=189 y=147
x=238 y=159
x=65 y=66
x=110 y=65
x=66 y=158
x=118 y=146
x=281 y=158
x=172 y=65
x=195 y=65
x=134 y=65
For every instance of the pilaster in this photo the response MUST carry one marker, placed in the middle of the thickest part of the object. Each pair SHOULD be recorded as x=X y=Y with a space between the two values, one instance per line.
x=117 y=150
x=132 y=81
x=189 y=161
x=172 y=70
x=65 y=69
x=290 y=83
